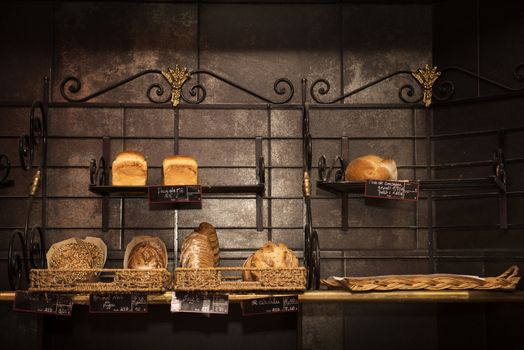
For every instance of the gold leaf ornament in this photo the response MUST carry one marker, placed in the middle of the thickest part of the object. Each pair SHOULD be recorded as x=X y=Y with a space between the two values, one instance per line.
x=176 y=78
x=426 y=77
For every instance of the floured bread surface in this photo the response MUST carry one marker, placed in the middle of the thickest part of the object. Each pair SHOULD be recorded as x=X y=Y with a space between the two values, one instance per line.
x=271 y=255
x=129 y=169
x=179 y=170
x=145 y=252
x=371 y=167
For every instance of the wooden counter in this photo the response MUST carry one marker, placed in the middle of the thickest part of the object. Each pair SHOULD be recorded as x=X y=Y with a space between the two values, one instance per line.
x=327 y=296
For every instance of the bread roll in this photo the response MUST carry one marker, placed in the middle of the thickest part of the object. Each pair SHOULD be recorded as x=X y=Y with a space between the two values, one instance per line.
x=270 y=255
x=129 y=169
x=209 y=230
x=179 y=170
x=145 y=252
x=196 y=252
x=371 y=167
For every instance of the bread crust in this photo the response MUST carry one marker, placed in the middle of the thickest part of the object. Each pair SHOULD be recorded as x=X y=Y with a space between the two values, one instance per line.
x=270 y=255
x=179 y=170
x=371 y=167
x=129 y=169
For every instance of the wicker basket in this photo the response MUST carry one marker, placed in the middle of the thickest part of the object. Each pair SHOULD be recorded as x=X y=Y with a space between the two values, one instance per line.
x=100 y=280
x=230 y=279
x=507 y=281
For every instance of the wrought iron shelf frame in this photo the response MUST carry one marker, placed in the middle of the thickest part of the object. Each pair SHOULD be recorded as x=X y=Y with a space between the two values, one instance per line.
x=183 y=87
x=27 y=246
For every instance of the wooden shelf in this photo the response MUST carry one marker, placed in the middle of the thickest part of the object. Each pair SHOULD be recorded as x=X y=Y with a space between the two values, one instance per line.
x=334 y=296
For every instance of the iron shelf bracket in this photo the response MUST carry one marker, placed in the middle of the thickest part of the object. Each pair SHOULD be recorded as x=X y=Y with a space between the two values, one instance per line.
x=27 y=247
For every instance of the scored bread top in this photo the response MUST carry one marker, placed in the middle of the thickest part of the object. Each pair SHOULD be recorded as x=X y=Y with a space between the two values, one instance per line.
x=127 y=158
x=179 y=160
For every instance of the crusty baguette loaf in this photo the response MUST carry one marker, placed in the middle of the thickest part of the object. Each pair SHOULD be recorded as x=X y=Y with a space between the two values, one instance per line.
x=179 y=170
x=371 y=167
x=129 y=169
x=270 y=255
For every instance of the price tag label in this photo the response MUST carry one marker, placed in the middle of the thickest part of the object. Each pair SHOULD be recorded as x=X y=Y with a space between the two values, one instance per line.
x=270 y=305
x=118 y=303
x=174 y=194
x=43 y=303
x=202 y=303
x=398 y=190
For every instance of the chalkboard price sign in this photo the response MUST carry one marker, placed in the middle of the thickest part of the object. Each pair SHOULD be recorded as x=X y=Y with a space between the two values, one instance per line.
x=43 y=303
x=118 y=303
x=202 y=303
x=398 y=190
x=175 y=195
x=270 y=305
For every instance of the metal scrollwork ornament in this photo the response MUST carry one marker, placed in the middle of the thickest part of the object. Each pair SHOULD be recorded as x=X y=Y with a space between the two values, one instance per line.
x=426 y=77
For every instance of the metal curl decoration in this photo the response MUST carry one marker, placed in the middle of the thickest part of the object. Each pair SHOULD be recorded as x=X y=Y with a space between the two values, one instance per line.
x=36 y=247
x=322 y=90
x=74 y=85
x=409 y=91
x=321 y=87
x=37 y=133
x=444 y=90
x=158 y=91
x=518 y=74
x=17 y=261
x=282 y=87
x=197 y=91
x=5 y=167
x=98 y=174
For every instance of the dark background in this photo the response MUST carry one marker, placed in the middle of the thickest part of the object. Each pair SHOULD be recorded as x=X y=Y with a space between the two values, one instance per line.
x=347 y=43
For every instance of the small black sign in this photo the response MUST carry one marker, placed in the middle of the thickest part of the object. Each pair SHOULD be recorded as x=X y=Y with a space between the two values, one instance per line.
x=399 y=190
x=174 y=194
x=43 y=303
x=202 y=303
x=270 y=305
x=118 y=303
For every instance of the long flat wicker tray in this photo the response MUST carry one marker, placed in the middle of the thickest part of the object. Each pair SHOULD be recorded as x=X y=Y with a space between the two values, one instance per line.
x=506 y=281
x=230 y=279
x=99 y=280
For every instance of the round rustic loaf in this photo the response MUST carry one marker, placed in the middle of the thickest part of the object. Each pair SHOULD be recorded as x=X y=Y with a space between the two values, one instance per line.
x=371 y=167
x=270 y=255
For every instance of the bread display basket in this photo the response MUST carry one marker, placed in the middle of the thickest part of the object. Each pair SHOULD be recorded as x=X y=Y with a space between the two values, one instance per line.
x=230 y=279
x=76 y=266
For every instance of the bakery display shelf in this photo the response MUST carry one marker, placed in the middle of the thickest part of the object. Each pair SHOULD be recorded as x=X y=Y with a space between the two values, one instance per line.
x=335 y=296
x=117 y=191
x=358 y=187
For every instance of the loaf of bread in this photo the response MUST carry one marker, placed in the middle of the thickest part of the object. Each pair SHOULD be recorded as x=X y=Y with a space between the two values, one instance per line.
x=270 y=255
x=196 y=252
x=209 y=230
x=145 y=252
x=129 y=169
x=179 y=170
x=76 y=253
x=371 y=167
